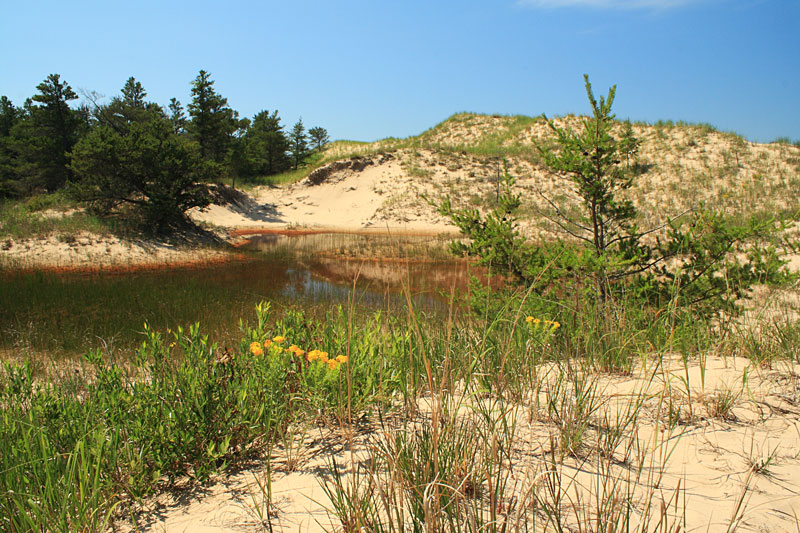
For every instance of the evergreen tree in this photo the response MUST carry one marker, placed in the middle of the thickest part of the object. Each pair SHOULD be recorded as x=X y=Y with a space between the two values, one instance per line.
x=213 y=122
x=592 y=160
x=133 y=93
x=47 y=134
x=237 y=161
x=712 y=259
x=298 y=143
x=137 y=160
x=319 y=138
x=130 y=107
x=266 y=145
x=177 y=116
x=10 y=116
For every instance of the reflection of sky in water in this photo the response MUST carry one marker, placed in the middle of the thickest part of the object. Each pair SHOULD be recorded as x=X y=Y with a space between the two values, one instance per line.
x=70 y=312
x=304 y=279
x=304 y=285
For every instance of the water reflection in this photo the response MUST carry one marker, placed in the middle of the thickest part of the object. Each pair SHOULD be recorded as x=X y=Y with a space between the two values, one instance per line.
x=375 y=269
x=68 y=313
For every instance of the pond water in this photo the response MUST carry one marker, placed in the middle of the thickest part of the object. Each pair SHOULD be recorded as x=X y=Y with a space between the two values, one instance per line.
x=64 y=314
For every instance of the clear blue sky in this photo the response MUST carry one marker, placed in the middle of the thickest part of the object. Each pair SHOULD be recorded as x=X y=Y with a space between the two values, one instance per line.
x=367 y=69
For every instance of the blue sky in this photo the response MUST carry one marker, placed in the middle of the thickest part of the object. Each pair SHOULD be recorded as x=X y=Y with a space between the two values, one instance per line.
x=368 y=69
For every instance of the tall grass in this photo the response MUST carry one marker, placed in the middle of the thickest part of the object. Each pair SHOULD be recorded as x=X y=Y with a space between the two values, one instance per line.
x=64 y=314
x=493 y=422
x=24 y=219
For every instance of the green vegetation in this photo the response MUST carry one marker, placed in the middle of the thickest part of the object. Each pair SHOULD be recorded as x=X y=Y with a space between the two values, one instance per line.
x=318 y=138
x=57 y=316
x=134 y=158
x=704 y=261
x=22 y=218
x=298 y=143
x=60 y=316
x=81 y=449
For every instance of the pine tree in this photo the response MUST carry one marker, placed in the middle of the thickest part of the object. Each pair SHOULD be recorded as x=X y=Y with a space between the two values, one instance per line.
x=133 y=93
x=319 y=138
x=177 y=116
x=267 y=145
x=213 y=122
x=298 y=143
x=712 y=259
x=133 y=158
x=10 y=116
x=592 y=160
x=48 y=133
x=130 y=107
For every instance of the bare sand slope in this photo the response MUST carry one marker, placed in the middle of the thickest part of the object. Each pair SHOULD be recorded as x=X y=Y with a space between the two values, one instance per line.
x=376 y=193
x=380 y=197
x=87 y=251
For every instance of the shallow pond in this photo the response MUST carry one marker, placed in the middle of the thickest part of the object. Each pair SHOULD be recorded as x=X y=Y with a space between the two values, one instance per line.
x=64 y=314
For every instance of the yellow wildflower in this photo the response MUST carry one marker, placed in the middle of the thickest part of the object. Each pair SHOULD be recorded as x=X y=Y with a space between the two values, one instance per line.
x=537 y=321
x=342 y=358
x=528 y=319
x=278 y=339
x=256 y=347
x=332 y=363
x=556 y=325
x=313 y=355
x=295 y=349
x=323 y=356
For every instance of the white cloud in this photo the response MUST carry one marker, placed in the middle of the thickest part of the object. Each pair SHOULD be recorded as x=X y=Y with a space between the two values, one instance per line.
x=607 y=4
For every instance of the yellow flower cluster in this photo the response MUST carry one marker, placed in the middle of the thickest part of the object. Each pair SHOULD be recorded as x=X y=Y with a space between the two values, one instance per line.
x=255 y=349
x=537 y=321
x=332 y=362
x=314 y=355
x=295 y=349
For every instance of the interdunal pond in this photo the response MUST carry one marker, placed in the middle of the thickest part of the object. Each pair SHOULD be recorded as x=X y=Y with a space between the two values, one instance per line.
x=63 y=314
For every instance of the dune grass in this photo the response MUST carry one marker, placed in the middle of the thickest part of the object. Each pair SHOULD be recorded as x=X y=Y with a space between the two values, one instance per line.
x=23 y=219
x=451 y=400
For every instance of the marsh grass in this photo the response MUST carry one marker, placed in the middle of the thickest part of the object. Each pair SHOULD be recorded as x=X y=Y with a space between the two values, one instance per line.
x=57 y=316
x=62 y=315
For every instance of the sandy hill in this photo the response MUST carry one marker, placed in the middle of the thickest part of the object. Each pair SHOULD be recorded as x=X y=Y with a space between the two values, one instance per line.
x=385 y=183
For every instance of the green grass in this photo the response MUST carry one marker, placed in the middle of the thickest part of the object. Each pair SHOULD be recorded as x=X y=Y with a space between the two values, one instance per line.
x=60 y=315
x=21 y=219
x=80 y=449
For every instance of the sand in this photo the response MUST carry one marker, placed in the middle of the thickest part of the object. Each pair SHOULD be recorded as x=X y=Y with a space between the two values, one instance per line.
x=87 y=251
x=381 y=197
x=712 y=462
